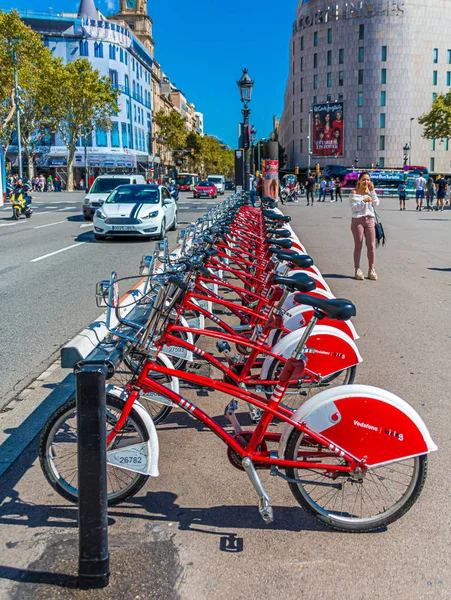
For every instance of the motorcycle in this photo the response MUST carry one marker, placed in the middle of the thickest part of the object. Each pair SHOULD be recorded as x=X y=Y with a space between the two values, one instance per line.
x=20 y=202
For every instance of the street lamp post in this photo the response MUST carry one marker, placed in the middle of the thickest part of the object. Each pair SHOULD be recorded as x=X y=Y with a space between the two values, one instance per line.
x=245 y=84
x=253 y=138
x=406 y=150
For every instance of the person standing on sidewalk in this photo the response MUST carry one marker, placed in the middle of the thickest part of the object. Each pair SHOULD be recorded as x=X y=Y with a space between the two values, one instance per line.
x=442 y=190
x=420 y=186
x=331 y=189
x=322 y=190
x=337 y=186
x=310 y=188
x=363 y=200
x=402 y=193
x=430 y=193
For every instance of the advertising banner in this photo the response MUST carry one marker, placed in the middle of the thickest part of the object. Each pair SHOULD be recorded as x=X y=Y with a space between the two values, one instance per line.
x=271 y=179
x=327 y=129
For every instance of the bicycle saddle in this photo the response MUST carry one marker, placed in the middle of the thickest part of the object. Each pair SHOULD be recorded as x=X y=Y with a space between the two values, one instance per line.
x=304 y=261
x=269 y=214
x=336 y=308
x=280 y=243
x=299 y=281
x=282 y=233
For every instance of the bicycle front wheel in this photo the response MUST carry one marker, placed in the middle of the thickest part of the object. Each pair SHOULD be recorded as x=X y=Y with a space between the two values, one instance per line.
x=346 y=501
x=58 y=451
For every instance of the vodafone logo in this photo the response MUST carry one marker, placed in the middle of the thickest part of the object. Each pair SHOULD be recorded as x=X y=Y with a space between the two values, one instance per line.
x=365 y=426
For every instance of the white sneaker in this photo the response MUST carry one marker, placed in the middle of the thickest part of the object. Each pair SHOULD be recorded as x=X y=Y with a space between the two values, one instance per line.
x=359 y=274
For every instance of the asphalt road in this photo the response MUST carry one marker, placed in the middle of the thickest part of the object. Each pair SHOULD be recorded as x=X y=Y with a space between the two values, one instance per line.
x=195 y=533
x=48 y=270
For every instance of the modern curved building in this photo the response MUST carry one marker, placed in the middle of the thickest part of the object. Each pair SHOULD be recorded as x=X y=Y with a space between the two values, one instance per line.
x=379 y=63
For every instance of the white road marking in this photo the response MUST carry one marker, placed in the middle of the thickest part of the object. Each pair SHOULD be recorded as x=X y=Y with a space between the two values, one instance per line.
x=86 y=225
x=67 y=208
x=53 y=207
x=10 y=224
x=49 y=224
x=57 y=252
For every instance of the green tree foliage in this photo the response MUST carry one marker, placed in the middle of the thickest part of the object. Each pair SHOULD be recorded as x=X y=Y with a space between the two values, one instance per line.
x=31 y=57
x=82 y=100
x=172 y=128
x=437 y=122
x=194 y=145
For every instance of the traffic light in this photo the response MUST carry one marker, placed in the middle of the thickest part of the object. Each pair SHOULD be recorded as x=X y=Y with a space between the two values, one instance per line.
x=318 y=168
x=296 y=170
x=192 y=151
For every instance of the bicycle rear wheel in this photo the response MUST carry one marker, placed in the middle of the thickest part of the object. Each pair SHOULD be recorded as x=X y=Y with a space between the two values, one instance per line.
x=58 y=451
x=349 y=503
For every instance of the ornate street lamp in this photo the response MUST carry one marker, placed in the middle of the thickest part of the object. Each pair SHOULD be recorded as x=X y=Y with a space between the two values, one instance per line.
x=245 y=85
x=406 y=150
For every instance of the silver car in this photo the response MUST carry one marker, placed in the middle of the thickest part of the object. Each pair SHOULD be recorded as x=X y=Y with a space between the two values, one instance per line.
x=136 y=210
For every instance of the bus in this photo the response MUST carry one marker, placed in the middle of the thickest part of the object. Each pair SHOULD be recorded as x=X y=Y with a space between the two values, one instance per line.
x=186 y=182
x=385 y=182
x=2 y=177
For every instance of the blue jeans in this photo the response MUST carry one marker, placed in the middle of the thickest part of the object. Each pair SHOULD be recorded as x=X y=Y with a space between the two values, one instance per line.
x=253 y=195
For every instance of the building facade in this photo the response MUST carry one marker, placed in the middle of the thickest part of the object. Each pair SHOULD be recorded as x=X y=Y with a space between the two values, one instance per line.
x=381 y=62
x=120 y=47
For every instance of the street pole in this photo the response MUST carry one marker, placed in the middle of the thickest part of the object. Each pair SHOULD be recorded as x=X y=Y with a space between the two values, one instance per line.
x=247 y=164
x=309 y=141
x=258 y=157
x=86 y=165
x=16 y=94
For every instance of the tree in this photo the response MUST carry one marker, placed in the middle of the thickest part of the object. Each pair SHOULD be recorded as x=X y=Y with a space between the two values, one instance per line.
x=437 y=122
x=194 y=144
x=82 y=101
x=172 y=128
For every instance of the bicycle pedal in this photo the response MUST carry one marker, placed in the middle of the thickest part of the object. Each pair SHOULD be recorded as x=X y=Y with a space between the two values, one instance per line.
x=255 y=415
x=223 y=347
x=265 y=510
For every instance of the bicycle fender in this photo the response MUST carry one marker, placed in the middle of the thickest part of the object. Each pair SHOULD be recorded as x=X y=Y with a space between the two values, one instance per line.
x=300 y=316
x=367 y=422
x=141 y=457
x=328 y=350
x=178 y=351
x=318 y=293
x=282 y=266
x=320 y=283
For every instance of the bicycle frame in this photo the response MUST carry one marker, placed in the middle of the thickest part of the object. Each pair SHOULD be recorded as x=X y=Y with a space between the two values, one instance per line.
x=271 y=409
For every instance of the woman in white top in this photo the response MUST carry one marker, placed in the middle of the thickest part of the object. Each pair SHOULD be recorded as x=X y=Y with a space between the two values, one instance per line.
x=363 y=198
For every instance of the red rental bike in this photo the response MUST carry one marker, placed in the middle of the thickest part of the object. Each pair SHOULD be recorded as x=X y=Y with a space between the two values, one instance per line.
x=354 y=457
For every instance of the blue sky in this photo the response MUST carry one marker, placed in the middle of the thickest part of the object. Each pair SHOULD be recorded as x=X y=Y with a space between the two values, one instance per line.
x=203 y=45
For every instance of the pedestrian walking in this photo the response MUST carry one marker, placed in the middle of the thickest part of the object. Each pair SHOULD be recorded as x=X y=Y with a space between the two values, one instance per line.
x=310 y=188
x=322 y=190
x=402 y=193
x=331 y=189
x=442 y=190
x=420 y=186
x=337 y=186
x=363 y=200
x=49 y=184
x=430 y=193
x=252 y=189
x=41 y=183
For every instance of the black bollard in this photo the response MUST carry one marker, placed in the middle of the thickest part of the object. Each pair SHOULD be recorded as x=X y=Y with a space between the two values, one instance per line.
x=93 y=558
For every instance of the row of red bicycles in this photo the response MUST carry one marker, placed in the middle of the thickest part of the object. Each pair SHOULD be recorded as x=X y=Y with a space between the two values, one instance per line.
x=241 y=296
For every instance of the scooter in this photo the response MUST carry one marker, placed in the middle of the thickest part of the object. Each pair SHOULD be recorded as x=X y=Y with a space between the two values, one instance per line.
x=20 y=202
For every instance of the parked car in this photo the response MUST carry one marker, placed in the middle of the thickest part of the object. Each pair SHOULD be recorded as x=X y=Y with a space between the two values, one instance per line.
x=141 y=210
x=205 y=188
x=229 y=185
x=219 y=182
x=102 y=188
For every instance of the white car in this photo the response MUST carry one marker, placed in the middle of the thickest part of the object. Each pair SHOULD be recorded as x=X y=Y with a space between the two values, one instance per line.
x=102 y=188
x=141 y=210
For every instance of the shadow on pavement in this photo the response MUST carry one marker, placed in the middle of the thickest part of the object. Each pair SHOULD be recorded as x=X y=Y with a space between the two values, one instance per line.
x=337 y=276
x=28 y=576
x=77 y=218
x=438 y=269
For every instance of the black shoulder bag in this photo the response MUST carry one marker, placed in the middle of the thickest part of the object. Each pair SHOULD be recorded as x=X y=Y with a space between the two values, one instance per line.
x=380 y=233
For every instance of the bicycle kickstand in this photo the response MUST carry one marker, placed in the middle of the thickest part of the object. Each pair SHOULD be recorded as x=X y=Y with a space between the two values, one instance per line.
x=264 y=507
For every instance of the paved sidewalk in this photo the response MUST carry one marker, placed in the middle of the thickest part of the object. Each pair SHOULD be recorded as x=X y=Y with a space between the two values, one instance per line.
x=195 y=532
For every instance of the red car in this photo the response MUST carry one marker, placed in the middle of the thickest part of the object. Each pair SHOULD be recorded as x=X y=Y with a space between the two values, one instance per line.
x=205 y=188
